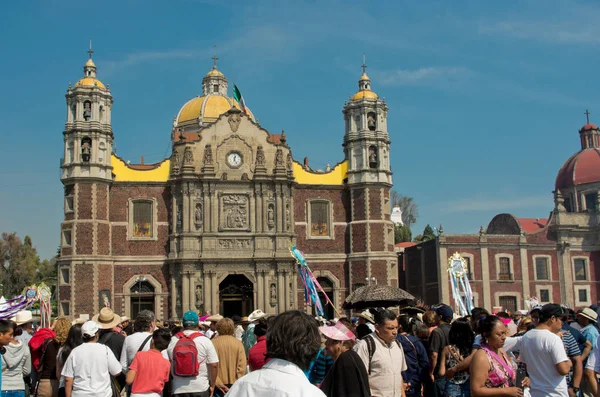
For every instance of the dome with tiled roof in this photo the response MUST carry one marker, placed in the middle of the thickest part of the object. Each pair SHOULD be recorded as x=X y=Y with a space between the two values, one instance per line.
x=89 y=79
x=584 y=166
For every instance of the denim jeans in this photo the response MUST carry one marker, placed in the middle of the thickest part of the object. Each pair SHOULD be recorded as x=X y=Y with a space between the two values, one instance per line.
x=454 y=390
x=13 y=393
x=439 y=385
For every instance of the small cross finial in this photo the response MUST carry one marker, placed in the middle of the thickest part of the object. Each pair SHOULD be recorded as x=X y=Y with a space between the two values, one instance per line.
x=587 y=116
x=90 y=51
x=364 y=64
x=214 y=58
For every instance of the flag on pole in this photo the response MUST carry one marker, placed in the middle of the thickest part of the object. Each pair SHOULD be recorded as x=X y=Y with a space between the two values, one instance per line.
x=237 y=95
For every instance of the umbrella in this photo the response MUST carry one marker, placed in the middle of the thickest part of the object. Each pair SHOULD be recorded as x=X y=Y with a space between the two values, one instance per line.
x=377 y=296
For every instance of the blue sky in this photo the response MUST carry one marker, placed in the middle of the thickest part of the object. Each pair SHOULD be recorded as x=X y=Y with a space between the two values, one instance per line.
x=485 y=101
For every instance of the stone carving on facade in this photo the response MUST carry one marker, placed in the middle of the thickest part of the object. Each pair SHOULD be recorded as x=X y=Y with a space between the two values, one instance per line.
x=188 y=156
x=273 y=294
x=208 y=158
x=235 y=244
x=175 y=162
x=371 y=121
x=234 y=121
x=271 y=216
x=199 y=297
x=178 y=299
x=287 y=214
x=260 y=157
x=198 y=215
x=288 y=162
x=234 y=210
x=179 y=218
x=279 y=158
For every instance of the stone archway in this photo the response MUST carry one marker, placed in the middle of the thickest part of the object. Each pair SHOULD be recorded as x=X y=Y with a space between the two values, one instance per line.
x=236 y=295
x=142 y=283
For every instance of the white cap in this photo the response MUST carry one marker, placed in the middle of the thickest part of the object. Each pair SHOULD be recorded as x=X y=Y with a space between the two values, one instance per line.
x=89 y=329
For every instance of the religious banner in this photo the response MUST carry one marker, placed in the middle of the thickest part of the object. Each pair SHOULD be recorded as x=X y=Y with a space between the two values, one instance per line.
x=459 y=281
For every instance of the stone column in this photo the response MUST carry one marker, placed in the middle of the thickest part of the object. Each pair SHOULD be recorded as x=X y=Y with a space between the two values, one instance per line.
x=185 y=287
x=485 y=279
x=280 y=289
x=267 y=293
x=185 y=198
x=524 y=272
x=214 y=299
x=287 y=290
x=192 y=275
x=173 y=293
x=260 y=289
x=206 y=286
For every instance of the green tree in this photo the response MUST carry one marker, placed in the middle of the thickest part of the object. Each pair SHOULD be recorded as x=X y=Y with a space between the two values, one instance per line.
x=410 y=209
x=402 y=234
x=428 y=234
x=21 y=263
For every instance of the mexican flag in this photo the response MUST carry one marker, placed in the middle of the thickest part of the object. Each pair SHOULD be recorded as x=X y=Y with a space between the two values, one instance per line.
x=239 y=98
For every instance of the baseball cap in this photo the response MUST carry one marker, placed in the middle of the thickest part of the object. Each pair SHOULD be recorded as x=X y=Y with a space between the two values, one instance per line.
x=443 y=310
x=190 y=319
x=89 y=329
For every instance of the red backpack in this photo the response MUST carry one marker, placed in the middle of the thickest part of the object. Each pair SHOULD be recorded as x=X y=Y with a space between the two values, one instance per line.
x=185 y=355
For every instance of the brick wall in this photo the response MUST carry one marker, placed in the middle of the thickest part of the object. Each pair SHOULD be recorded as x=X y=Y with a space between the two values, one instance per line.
x=359 y=204
x=84 y=201
x=359 y=237
x=375 y=204
x=103 y=238
x=84 y=239
x=84 y=288
x=122 y=246
x=121 y=193
x=379 y=271
x=101 y=201
x=378 y=236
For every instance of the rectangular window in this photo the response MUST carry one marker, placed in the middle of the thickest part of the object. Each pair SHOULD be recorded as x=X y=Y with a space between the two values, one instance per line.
x=582 y=295
x=580 y=269
x=67 y=238
x=319 y=219
x=65 y=275
x=541 y=269
x=508 y=303
x=591 y=201
x=468 y=261
x=544 y=295
x=66 y=308
x=504 y=274
x=142 y=219
x=568 y=205
x=69 y=204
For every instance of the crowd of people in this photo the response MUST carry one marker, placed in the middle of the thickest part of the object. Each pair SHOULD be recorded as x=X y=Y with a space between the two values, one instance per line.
x=548 y=351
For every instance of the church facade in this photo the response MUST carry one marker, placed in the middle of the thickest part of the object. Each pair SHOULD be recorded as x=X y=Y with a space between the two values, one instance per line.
x=210 y=228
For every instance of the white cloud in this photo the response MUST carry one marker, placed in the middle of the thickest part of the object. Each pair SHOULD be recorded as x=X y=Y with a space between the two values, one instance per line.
x=497 y=204
x=424 y=76
x=558 y=33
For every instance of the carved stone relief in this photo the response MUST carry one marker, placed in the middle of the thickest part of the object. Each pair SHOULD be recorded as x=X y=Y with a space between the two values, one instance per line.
x=234 y=121
x=198 y=216
x=273 y=294
x=234 y=211
x=289 y=161
x=179 y=218
x=287 y=214
x=208 y=158
x=199 y=297
x=175 y=162
x=260 y=156
x=271 y=216
x=235 y=244
x=279 y=158
x=188 y=155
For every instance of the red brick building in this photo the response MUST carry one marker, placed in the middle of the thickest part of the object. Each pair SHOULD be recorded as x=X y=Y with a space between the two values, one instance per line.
x=555 y=259
x=210 y=227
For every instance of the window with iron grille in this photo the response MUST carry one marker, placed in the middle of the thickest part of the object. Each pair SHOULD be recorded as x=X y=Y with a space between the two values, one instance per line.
x=142 y=219
x=509 y=303
x=504 y=273
x=582 y=293
x=541 y=269
x=544 y=295
x=580 y=269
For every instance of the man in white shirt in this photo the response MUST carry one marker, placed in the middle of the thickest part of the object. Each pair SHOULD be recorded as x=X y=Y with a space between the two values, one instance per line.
x=89 y=366
x=292 y=343
x=384 y=358
x=544 y=353
x=143 y=328
x=202 y=385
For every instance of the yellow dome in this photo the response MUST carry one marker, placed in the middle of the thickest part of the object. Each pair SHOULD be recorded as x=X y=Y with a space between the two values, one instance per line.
x=90 y=63
x=364 y=77
x=207 y=109
x=90 y=82
x=365 y=94
x=214 y=72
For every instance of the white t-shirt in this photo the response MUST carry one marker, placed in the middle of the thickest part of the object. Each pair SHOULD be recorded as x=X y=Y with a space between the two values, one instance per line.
x=89 y=365
x=541 y=350
x=206 y=354
x=130 y=347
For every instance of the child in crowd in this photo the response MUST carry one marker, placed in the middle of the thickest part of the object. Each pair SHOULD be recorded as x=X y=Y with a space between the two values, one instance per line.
x=149 y=370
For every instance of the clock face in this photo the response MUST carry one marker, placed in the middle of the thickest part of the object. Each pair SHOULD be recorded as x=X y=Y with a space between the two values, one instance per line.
x=234 y=159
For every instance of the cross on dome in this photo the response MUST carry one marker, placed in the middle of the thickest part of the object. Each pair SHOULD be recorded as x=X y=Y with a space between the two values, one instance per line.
x=90 y=51
x=215 y=58
x=364 y=64
x=587 y=116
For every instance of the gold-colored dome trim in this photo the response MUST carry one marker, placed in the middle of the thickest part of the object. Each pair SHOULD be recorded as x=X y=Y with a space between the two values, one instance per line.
x=90 y=82
x=365 y=94
x=207 y=108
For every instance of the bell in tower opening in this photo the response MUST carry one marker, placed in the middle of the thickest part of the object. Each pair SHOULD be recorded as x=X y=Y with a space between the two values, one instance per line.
x=373 y=160
x=86 y=149
x=371 y=121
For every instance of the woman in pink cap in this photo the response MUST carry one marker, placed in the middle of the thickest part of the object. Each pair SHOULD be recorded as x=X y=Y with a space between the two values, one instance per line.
x=348 y=377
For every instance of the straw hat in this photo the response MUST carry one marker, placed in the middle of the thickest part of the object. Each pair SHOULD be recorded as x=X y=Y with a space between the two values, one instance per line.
x=367 y=316
x=256 y=315
x=23 y=317
x=589 y=314
x=215 y=318
x=242 y=321
x=107 y=319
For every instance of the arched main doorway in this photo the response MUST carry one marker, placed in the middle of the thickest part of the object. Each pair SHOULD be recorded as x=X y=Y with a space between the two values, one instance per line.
x=327 y=286
x=142 y=296
x=236 y=295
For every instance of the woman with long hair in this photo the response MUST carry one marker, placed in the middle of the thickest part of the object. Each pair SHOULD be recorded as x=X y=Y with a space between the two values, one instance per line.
x=348 y=376
x=491 y=371
x=461 y=341
x=48 y=380
x=74 y=339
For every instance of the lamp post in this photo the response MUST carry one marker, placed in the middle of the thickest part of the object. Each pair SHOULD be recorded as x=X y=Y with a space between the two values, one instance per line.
x=371 y=279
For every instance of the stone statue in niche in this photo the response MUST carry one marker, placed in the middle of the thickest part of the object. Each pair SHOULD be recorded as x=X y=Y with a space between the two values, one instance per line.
x=178 y=300
x=271 y=216
x=289 y=161
x=199 y=297
x=198 y=215
x=179 y=218
x=87 y=111
x=371 y=121
x=373 y=160
x=287 y=215
x=175 y=162
x=273 y=293
x=208 y=158
x=86 y=149
x=188 y=155
x=260 y=156
x=279 y=158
